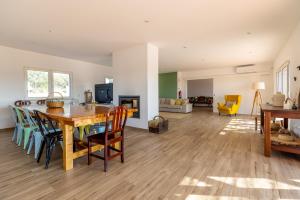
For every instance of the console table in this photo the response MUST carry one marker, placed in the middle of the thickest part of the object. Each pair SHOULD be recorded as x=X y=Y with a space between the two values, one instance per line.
x=267 y=113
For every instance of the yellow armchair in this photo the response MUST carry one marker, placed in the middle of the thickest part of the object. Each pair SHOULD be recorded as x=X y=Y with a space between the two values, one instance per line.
x=231 y=105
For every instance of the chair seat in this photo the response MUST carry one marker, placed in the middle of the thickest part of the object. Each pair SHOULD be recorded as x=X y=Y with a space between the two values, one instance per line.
x=99 y=138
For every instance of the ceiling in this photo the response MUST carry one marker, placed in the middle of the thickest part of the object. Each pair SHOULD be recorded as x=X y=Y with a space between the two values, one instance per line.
x=191 y=34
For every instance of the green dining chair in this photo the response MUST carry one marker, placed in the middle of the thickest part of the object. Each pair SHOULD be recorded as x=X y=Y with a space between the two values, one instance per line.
x=26 y=127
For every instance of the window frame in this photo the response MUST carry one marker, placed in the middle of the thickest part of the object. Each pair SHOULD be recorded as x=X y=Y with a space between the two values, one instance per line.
x=285 y=65
x=50 y=81
x=108 y=78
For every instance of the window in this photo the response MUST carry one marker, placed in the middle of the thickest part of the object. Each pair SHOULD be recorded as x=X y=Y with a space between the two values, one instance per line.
x=109 y=80
x=282 y=79
x=40 y=83
x=61 y=83
x=37 y=83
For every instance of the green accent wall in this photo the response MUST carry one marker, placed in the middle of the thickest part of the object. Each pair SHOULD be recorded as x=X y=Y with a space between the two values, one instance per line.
x=168 y=85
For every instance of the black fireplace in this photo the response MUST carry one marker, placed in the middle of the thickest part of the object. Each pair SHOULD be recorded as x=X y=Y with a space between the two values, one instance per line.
x=131 y=102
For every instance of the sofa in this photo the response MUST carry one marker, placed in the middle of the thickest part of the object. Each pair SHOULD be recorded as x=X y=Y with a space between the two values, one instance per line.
x=175 y=105
x=201 y=101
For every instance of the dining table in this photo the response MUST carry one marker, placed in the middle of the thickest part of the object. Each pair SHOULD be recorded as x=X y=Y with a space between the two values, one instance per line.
x=72 y=116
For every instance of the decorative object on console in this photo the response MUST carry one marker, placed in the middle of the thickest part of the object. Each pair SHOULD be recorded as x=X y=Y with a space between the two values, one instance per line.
x=288 y=103
x=88 y=96
x=257 y=101
x=278 y=99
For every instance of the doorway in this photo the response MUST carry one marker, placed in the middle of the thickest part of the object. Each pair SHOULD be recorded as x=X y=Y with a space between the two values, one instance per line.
x=200 y=93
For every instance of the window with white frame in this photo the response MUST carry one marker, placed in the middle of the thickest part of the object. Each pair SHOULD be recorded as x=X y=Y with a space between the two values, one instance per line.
x=282 y=79
x=109 y=80
x=40 y=83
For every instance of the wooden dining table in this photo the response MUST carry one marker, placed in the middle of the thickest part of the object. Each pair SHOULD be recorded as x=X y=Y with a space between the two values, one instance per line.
x=71 y=116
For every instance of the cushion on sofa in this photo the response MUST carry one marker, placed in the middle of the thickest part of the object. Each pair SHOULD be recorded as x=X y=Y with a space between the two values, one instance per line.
x=178 y=102
x=167 y=101
x=172 y=102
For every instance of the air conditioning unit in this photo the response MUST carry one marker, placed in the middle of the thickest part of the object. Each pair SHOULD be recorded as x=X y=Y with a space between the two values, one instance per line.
x=246 y=69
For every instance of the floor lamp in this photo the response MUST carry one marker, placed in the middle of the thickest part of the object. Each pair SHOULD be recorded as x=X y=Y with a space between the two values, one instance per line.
x=257 y=101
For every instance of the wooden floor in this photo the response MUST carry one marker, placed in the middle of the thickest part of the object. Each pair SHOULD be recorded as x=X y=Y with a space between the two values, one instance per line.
x=202 y=156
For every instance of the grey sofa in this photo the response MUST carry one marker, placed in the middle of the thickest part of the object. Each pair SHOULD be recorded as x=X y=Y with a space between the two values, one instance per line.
x=169 y=105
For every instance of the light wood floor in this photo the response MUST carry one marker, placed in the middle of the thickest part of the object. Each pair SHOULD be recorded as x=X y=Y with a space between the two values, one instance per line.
x=202 y=156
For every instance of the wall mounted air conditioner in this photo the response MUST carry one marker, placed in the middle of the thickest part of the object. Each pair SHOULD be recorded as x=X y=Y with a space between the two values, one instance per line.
x=246 y=69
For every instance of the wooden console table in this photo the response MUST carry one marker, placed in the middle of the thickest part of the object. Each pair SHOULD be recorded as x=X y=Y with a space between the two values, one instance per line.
x=267 y=113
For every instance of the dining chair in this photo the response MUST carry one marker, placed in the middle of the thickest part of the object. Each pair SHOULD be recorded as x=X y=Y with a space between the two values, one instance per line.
x=114 y=133
x=41 y=102
x=36 y=137
x=51 y=135
x=17 y=124
x=22 y=103
x=25 y=129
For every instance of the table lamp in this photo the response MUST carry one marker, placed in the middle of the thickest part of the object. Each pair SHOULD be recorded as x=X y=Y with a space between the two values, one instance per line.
x=257 y=101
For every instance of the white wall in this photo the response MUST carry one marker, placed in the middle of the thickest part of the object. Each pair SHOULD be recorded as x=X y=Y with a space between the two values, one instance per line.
x=226 y=81
x=136 y=73
x=200 y=87
x=12 y=76
x=152 y=81
x=290 y=52
x=242 y=85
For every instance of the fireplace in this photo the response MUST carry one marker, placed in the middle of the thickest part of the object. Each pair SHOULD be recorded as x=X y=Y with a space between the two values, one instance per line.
x=131 y=102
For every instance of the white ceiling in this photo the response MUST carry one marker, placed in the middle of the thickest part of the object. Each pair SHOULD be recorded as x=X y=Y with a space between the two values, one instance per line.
x=216 y=33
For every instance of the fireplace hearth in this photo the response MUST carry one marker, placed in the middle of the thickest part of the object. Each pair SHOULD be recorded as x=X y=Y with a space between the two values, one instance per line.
x=131 y=102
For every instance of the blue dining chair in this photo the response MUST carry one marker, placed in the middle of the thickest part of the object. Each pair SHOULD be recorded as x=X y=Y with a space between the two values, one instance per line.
x=36 y=137
x=17 y=124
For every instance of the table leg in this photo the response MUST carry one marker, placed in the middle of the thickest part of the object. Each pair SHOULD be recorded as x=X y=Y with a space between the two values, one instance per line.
x=261 y=121
x=68 y=147
x=285 y=123
x=267 y=133
x=255 y=123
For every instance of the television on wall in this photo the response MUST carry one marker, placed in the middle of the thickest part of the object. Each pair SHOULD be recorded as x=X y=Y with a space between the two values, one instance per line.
x=104 y=93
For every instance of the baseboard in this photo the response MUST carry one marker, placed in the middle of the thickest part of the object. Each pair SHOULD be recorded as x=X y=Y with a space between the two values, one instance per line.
x=6 y=129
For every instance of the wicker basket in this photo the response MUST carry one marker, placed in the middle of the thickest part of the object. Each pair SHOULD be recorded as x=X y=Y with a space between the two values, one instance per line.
x=53 y=102
x=285 y=139
x=158 y=125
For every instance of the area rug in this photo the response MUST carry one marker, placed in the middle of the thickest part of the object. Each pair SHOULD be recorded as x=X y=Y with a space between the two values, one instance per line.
x=169 y=115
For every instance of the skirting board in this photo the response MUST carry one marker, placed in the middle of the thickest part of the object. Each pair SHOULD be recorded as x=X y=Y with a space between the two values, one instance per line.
x=6 y=129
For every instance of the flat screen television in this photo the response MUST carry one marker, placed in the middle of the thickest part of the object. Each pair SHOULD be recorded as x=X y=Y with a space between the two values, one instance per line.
x=104 y=93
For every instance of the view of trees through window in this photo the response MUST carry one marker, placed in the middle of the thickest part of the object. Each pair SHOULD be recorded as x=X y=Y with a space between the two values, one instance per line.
x=37 y=83
x=61 y=84
x=41 y=83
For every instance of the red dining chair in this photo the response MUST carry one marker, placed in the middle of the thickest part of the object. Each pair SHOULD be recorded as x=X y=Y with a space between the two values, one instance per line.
x=114 y=133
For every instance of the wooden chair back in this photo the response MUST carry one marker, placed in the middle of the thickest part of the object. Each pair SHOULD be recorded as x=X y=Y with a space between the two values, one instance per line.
x=118 y=117
x=45 y=123
x=41 y=102
x=22 y=103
